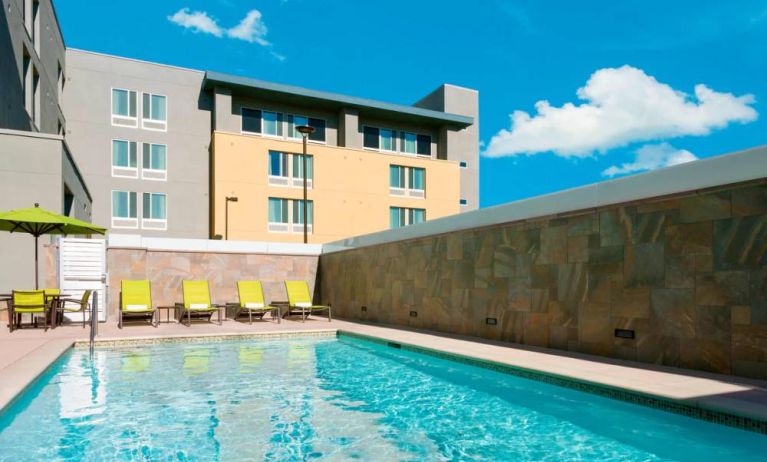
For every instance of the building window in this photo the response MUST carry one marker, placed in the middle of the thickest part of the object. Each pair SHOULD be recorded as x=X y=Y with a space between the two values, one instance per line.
x=407 y=181
x=278 y=215
x=124 y=209
x=251 y=120
x=154 y=211
x=387 y=140
x=424 y=145
x=370 y=138
x=154 y=162
x=278 y=164
x=463 y=202
x=401 y=216
x=36 y=38
x=409 y=142
x=155 y=112
x=271 y=123
x=463 y=164
x=417 y=178
x=123 y=107
x=397 y=176
x=298 y=213
x=296 y=121
x=124 y=161
x=381 y=139
x=298 y=167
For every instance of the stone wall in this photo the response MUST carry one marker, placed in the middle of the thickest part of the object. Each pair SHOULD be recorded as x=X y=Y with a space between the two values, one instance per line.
x=166 y=269
x=688 y=274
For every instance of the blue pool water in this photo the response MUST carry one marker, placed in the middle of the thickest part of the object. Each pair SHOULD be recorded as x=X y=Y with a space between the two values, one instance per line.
x=332 y=399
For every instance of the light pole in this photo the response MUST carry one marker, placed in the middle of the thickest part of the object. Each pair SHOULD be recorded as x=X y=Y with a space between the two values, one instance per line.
x=305 y=131
x=226 y=215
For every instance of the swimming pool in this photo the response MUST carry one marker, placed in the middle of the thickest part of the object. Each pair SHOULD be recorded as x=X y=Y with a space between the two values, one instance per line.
x=332 y=399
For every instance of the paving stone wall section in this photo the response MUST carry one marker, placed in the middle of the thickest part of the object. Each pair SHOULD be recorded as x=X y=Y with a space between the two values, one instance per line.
x=166 y=269
x=687 y=274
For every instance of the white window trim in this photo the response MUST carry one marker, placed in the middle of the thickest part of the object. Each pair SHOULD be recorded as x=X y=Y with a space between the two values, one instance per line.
x=112 y=116
x=159 y=221
x=164 y=176
x=130 y=172
x=149 y=119
x=112 y=210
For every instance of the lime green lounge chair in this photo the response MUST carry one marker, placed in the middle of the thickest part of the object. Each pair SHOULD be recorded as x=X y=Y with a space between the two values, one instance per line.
x=196 y=302
x=27 y=301
x=252 y=302
x=300 y=301
x=136 y=301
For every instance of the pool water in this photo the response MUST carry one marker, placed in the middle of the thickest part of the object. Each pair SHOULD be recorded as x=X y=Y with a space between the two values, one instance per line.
x=332 y=399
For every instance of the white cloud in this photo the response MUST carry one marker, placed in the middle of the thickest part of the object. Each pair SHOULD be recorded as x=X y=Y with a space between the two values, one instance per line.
x=621 y=106
x=251 y=29
x=651 y=157
x=198 y=21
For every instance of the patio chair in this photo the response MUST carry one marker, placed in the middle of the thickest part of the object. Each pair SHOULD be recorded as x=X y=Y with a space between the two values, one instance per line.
x=136 y=301
x=252 y=302
x=300 y=301
x=82 y=305
x=196 y=302
x=27 y=301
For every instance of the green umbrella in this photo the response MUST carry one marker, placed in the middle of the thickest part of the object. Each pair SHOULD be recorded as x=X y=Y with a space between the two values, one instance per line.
x=37 y=221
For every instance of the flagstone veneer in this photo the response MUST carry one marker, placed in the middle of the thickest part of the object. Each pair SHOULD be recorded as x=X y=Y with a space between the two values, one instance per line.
x=688 y=274
x=166 y=269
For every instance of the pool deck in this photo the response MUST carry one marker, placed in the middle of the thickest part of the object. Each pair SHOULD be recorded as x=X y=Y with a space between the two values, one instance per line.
x=27 y=353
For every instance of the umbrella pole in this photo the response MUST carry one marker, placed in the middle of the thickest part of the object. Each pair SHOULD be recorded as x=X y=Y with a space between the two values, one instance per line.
x=37 y=283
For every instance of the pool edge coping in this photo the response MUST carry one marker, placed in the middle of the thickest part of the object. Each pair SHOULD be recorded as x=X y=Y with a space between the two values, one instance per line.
x=691 y=408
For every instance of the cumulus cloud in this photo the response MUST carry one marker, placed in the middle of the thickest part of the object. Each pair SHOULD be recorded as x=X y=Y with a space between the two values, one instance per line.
x=197 y=21
x=651 y=157
x=250 y=29
x=620 y=106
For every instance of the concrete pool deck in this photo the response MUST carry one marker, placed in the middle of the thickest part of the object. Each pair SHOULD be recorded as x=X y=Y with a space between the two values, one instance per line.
x=25 y=354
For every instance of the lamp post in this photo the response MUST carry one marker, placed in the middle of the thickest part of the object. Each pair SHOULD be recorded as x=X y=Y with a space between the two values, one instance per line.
x=305 y=131
x=226 y=215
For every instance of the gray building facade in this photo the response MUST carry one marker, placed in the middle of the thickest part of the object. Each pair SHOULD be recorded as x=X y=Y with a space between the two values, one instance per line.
x=140 y=132
x=36 y=165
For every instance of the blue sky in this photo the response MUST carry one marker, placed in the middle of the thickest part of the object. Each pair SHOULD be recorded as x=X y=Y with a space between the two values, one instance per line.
x=661 y=82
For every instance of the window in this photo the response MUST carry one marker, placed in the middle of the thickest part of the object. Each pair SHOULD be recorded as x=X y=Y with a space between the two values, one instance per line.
x=407 y=181
x=154 y=162
x=296 y=121
x=396 y=217
x=251 y=120
x=298 y=167
x=271 y=123
x=417 y=178
x=424 y=145
x=319 y=130
x=409 y=142
x=278 y=210
x=397 y=176
x=463 y=164
x=370 y=138
x=36 y=38
x=123 y=107
x=124 y=162
x=463 y=202
x=154 y=211
x=124 y=209
x=298 y=213
x=278 y=164
x=379 y=138
x=416 y=216
x=401 y=216
x=154 y=113
x=387 y=140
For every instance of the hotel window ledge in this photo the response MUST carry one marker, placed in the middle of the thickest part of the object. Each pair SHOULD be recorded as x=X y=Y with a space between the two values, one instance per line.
x=154 y=224
x=406 y=192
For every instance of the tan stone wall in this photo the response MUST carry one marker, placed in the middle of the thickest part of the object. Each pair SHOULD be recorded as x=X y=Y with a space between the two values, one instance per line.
x=166 y=270
x=688 y=274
